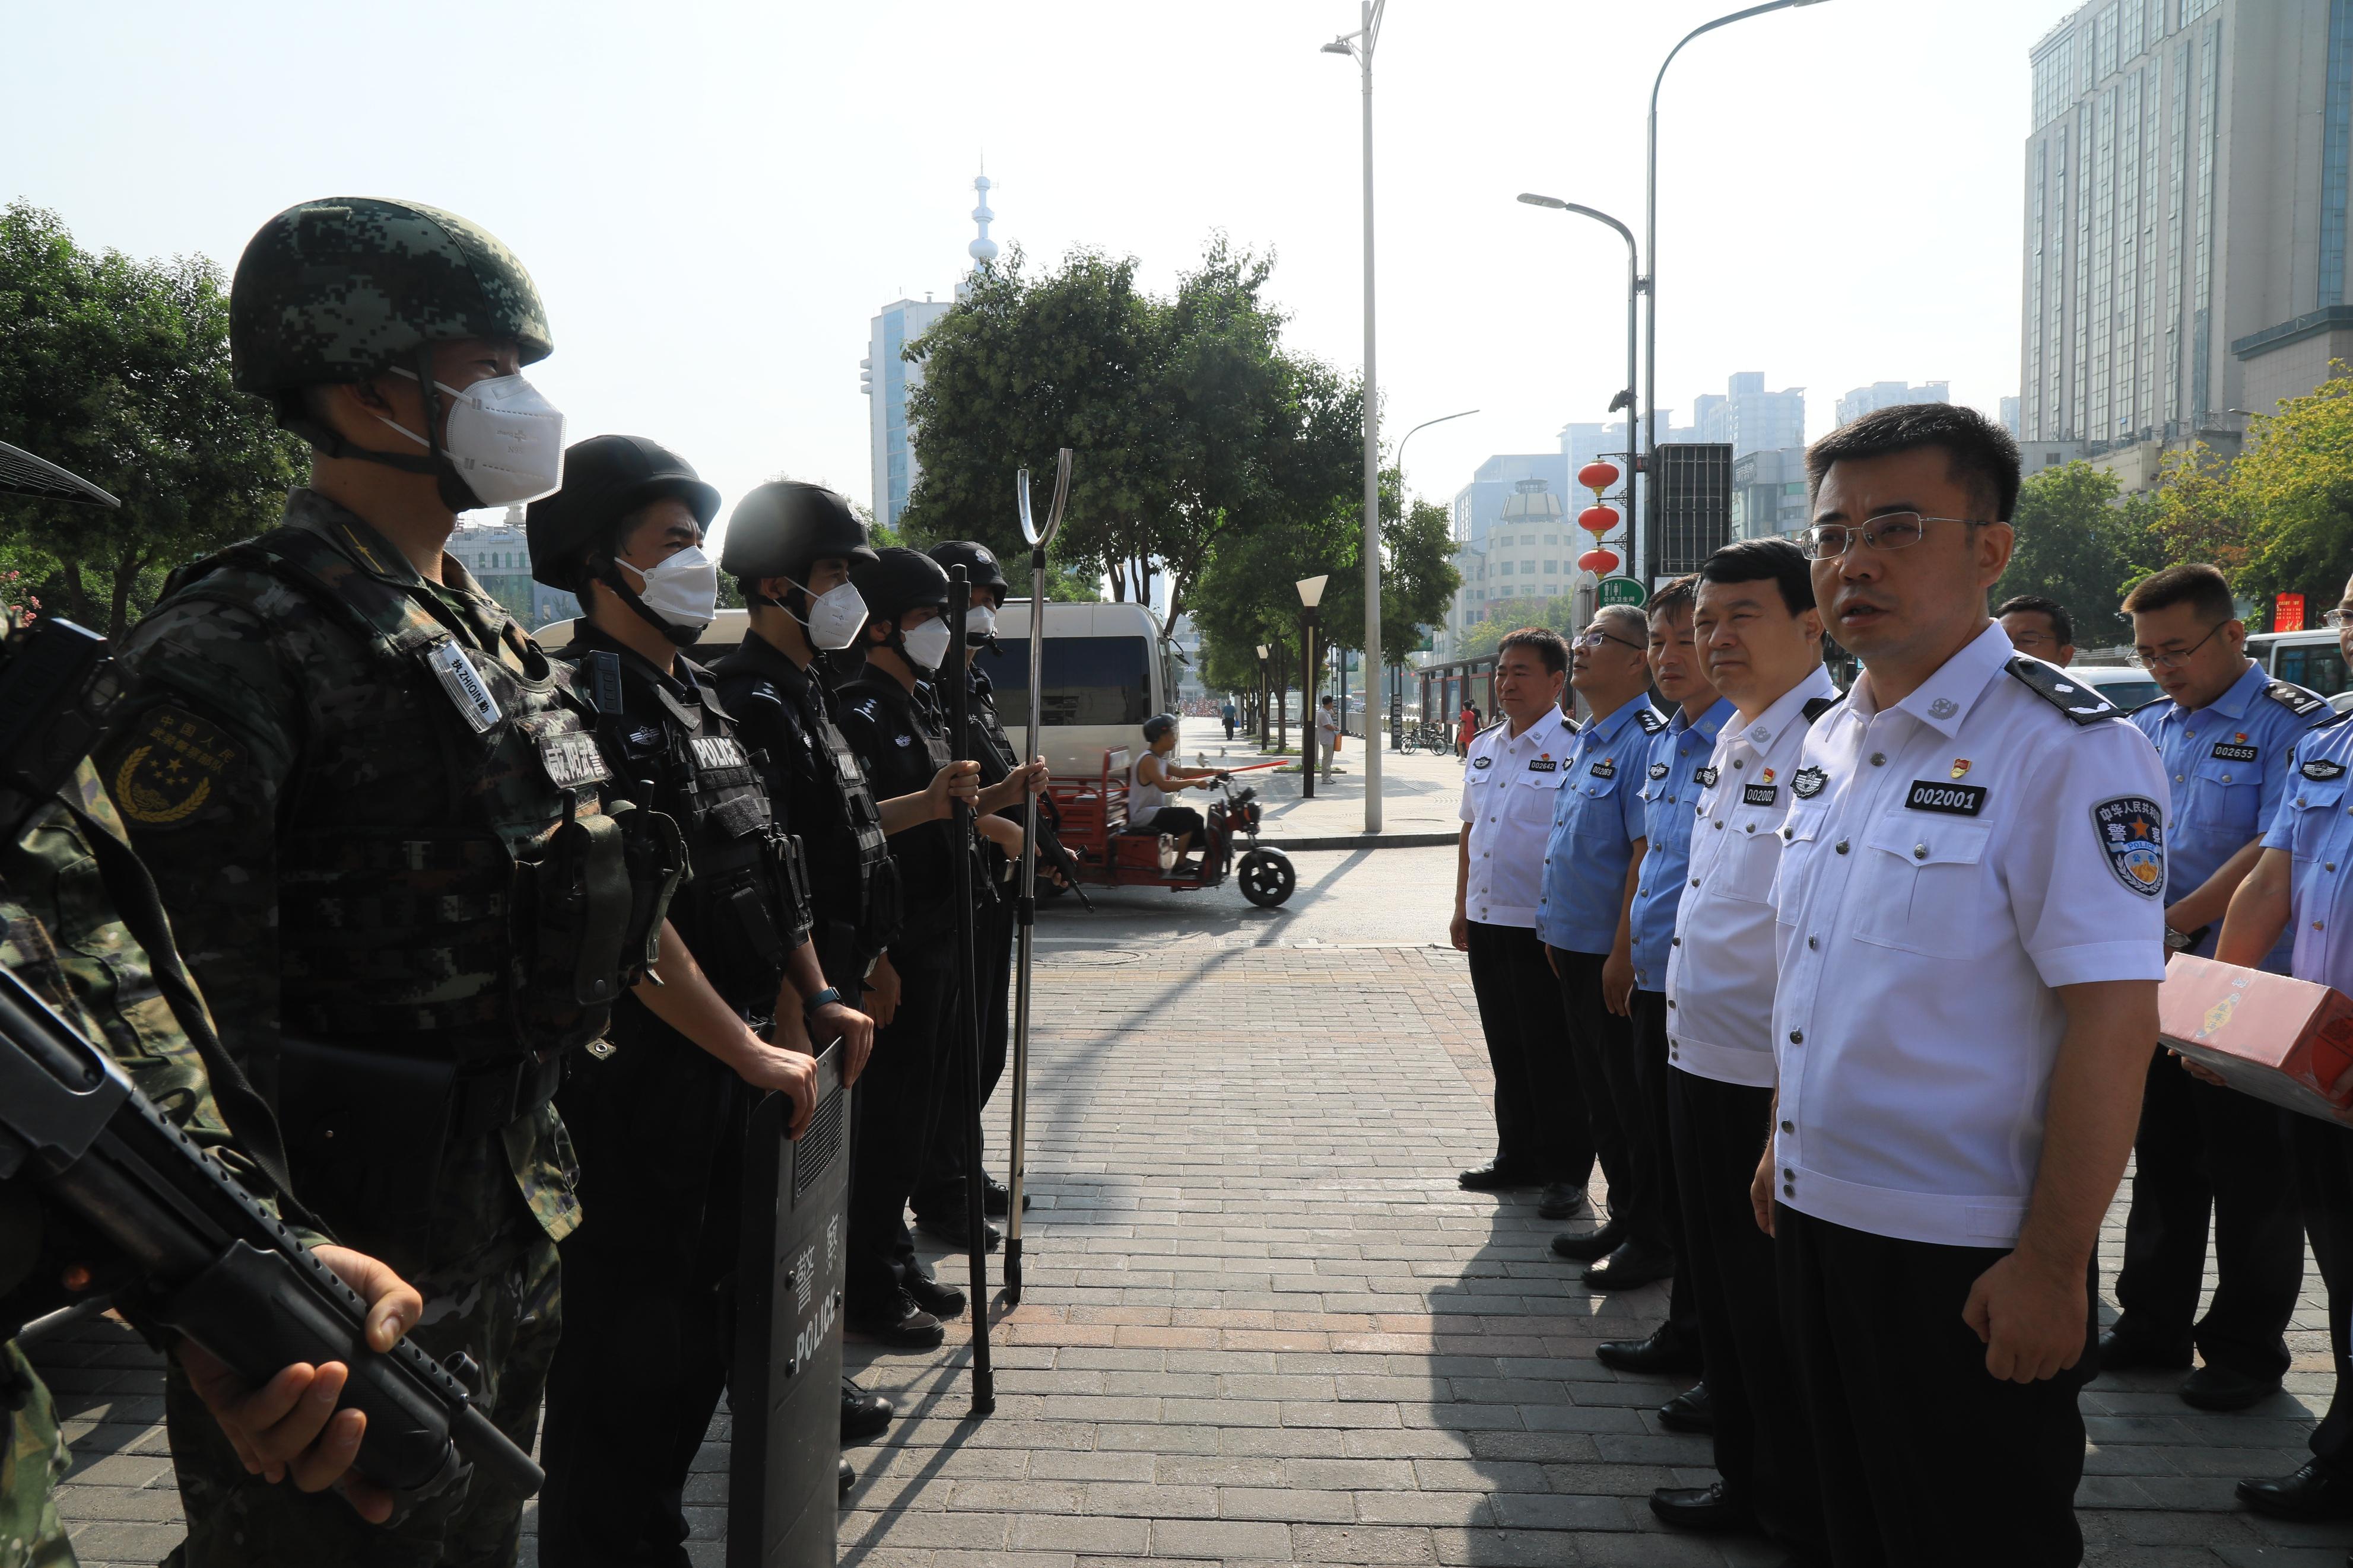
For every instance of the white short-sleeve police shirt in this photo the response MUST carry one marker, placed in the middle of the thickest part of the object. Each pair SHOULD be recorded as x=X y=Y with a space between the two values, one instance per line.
x=1720 y=969
x=1945 y=864
x=1509 y=783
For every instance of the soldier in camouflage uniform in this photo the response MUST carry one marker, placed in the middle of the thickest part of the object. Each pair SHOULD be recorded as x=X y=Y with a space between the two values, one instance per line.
x=373 y=801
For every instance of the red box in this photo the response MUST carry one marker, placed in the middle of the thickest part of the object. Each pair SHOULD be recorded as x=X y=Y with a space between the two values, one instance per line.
x=2284 y=1040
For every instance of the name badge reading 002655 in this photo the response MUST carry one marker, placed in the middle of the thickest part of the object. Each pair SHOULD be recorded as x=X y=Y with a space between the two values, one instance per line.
x=463 y=682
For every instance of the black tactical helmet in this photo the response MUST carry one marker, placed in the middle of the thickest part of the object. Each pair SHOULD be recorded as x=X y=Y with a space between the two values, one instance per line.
x=782 y=527
x=979 y=561
x=606 y=478
x=344 y=288
x=897 y=580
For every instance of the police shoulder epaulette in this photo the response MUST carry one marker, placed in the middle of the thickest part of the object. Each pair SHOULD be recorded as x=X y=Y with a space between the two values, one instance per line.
x=1492 y=724
x=2078 y=701
x=1817 y=706
x=2337 y=717
x=2294 y=698
x=1648 y=718
x=2152 y=702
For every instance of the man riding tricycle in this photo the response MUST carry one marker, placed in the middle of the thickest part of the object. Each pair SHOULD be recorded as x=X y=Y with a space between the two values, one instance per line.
x=1121 y=830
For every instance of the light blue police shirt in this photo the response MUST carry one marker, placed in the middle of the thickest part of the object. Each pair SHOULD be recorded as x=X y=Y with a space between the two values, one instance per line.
x=1595 y=823
x=1670 y=795
x=2315 y=824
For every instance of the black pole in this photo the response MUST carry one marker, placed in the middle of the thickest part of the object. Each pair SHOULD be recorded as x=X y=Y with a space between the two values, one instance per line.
x=1262 y=702
x=976 y=1178
x=1311 y=738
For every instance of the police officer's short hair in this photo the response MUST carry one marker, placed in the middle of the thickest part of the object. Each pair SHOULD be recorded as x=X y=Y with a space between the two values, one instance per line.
x=2063 y=624
x=1676 y=598
x=1777 y=560
x=2203 y=587
x=1631 y=622
x=1547 y=645
x=1983 y=458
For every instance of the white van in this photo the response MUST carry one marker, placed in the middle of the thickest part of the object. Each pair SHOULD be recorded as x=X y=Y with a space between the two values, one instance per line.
x=2309 y=659
x=1107 y=671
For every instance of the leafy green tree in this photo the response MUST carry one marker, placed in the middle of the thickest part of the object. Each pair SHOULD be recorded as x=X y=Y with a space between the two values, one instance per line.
x=119 y=370
x=2077 y=544
x=1509 y=616
x=2292 y=489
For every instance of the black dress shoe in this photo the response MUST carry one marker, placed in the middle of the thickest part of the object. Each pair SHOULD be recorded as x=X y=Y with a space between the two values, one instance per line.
x=1709 y=1510
x=1689 y=1410
x=2212 y=1387
x=843 y=1479
x=1666 y=1350
x=864 y=1417
x=2314 y=1491
x=942 y=1300
x=1629 y=1265
x=1492 y=1177
x=1561 y=1201
x=2121 y=1350
x=897 y=1323
x=950 y=1227
x=1585 y=1248
x=999 y=1199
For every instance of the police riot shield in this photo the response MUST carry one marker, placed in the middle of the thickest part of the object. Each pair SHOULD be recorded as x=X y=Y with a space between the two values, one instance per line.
x=783 y=1393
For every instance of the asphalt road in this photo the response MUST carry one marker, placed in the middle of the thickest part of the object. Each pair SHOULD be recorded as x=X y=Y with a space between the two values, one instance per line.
x=1344 y=897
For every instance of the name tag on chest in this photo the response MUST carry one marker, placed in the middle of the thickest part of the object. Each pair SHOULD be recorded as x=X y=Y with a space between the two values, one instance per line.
x=1543 y=765
x=1953 y=799
x=463 y=683
x=572 y=758
x=2226 y=752
x=712 y=751
x=1759 y=794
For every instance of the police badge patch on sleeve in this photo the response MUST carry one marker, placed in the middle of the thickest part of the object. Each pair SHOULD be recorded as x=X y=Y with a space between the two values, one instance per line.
x=174 y=765
x=2131 y=831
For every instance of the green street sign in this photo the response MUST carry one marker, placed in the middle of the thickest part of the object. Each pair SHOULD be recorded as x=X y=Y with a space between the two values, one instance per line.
x=1621 y=591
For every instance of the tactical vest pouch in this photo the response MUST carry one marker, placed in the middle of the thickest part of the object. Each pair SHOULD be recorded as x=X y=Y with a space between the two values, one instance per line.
x=793 y=877
x=656 y=853
x=579 y=906
x=885 y=907
x=394 y=932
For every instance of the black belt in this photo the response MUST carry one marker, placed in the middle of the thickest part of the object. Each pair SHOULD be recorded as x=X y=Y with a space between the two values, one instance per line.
x=485 y=1101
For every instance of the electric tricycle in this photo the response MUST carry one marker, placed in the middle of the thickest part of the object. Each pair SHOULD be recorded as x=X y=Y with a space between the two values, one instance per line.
x=1089 y=816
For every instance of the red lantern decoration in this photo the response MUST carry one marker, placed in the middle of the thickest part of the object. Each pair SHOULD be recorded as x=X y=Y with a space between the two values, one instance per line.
x=1598 y=519
x=1600 y=562
x=1598 y=477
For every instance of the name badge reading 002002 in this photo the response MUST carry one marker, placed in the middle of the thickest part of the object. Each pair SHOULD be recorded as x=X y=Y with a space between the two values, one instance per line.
x=464 y=684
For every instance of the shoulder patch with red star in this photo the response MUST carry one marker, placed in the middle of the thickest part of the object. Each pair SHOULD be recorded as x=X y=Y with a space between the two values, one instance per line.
x=2131 y=830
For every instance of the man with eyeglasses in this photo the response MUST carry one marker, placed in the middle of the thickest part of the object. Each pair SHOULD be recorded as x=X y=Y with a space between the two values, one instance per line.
x=1592 y=864
x=2039 y=627
x=2224 y=731
x=1970 y=920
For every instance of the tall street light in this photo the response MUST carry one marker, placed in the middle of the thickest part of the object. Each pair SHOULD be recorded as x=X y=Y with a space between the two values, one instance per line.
x=1310 y=735
x=1372 y=671
x=1360 y=45
x=1261 y=696
x=1636 y=285
x=1642 y=565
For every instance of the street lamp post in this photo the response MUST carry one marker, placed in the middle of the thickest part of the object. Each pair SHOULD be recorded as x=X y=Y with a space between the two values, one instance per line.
x=1636 y=287
x=1311 y=738
x=1262 y=697
x=1642 y=565
x=1359 y=44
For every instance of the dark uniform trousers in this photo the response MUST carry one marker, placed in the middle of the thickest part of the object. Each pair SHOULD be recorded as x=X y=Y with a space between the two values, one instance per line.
x=2202 y=1149
x=1601 y=1045
x=897 y=1112
x=1764 y=1444
x=1540 y=1116
x=660 y=1126
x=2324 y=1158
x=1652 y=1074
x=940 y=1191
x=1926 y=1460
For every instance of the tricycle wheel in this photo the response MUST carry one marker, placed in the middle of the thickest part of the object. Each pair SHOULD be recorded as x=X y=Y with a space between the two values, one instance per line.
x=1266 y=876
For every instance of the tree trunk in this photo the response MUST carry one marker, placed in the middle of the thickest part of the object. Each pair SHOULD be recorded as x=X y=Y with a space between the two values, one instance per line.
x=77 y=596
x=117 y=611
x=1117 y=573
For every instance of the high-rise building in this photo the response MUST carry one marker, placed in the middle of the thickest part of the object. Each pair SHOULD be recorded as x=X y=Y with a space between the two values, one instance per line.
x=1747 y=418
x=886 y=377
x=1768 y=494
x=1525 y=548
x=2009 y=416
x=2185 y=196
x=1881 y=394
x=1479 y=503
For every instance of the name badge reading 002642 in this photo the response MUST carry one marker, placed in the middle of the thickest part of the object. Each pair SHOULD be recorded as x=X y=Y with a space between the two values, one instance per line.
x=463 y=682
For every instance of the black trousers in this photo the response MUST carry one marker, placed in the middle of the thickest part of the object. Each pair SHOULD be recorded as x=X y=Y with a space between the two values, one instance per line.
x=1540 y=1112
x=1651 y=1075
x=940 y=1191
x=2200 y=1149
x=648 y=1290
x=1601 y=1043
x=1764 y=1444
x=1926 y=1460
x=2324 y=1159
x=897 y=1111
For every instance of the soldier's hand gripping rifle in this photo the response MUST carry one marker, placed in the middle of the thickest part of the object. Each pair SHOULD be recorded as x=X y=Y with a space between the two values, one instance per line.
x=1050 y=846
x=210 y=1263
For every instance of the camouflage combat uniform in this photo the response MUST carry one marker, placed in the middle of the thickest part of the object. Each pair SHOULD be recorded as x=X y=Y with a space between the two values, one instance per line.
x=74 y=903
x=357 y=790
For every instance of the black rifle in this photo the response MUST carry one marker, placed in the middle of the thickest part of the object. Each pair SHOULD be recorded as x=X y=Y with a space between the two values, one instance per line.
x=210 y=1263
x=1057 y=856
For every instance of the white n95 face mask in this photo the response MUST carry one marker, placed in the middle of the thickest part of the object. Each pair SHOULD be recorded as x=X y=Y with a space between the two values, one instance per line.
x=980 y=621
x=836 y=616
x=505 y=439
x=926 y=644
x=682 y=589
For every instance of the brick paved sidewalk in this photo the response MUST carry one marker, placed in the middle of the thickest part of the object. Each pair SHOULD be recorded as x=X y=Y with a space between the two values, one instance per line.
x=1261 y=1324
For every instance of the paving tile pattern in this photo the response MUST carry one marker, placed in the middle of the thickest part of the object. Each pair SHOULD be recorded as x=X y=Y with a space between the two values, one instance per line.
x=1262 y=1325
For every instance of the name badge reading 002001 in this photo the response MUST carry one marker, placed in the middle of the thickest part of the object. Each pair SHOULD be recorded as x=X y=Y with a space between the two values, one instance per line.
x=464 y=684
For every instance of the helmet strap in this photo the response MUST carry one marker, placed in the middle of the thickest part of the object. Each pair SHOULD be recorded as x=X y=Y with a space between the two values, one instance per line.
x=452 y=491
x=610 y=576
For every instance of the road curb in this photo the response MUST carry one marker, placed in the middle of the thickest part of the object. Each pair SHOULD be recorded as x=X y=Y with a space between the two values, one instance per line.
x=1365 y=841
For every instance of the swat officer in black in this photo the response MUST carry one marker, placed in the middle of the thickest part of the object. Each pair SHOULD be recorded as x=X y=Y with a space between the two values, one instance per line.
x=939 y=1202
x=660 y=1121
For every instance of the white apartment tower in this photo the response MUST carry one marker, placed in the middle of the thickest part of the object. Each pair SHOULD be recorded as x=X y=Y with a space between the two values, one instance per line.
x=886 y=378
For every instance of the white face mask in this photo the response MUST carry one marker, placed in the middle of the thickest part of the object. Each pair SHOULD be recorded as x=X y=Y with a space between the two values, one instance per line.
x=980 y=621
x=926 y=644
x=505 y=440
x=835 y=618
x=682 y=589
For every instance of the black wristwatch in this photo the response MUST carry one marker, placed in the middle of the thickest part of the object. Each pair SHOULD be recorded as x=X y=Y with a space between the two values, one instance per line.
x=2182 y=942
x=824 y=998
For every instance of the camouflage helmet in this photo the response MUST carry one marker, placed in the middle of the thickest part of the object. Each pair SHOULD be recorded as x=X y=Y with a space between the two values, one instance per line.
x=981 y=567
x=341 y=289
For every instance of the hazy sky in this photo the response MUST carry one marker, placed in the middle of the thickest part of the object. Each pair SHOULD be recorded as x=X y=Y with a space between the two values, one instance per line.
x=715 y=198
